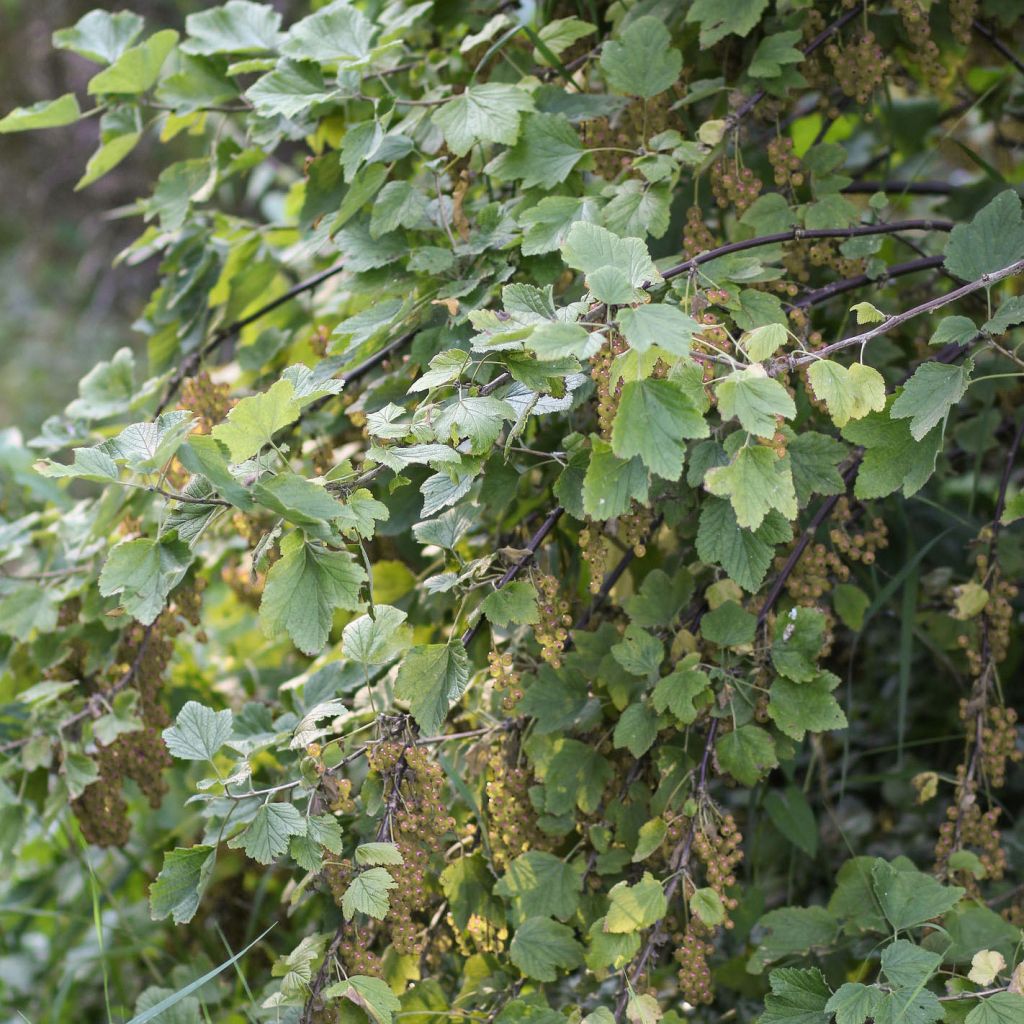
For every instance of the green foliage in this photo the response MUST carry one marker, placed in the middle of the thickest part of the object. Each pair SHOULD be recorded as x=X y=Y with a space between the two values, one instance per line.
x=525 y=564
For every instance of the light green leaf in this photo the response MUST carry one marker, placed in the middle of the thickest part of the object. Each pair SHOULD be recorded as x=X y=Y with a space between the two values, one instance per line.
x=265 y=838
x=338 y=33
x=678 y=693
x=541 y=884
x=910 y=898
x=611 y=484
x=253 y=421
x=107 y=157
x=290 y=90
x=638 y=208
x=431 y=679
x=632 y=908
x=764 y=341
x=198 y=732
x=377 y=640
x=144 y=572
x=45 y=114
x=755 y=482
x=717 y=20
x=560 y=34
x=707 y=906
x=755 y=399
x=746 y=753
x=483 y=113
x=649 y=839
x=303 y=589
x=657 y=324
x=27 y=608
x=541 y=946
x=994 y=239
x=892 y=458
x=239 y=26
x=136 y=69
x=100 y=36
x=545 y=154
x=107 y=389
x=744 y=554
x=379 y=854
x=179 y=887
x=866 y=313
x=642 y=62
x=815 y=459
x=515 y=602
x=728 y=625
x=368 y=894
x=299 y=501
x=1009 y=314
x=797 y=997
x=853 y=1003
x=653 y=418
x=849 y=392
x=636 y=730
x=928 y=396
x=373 y=995
x=592 y=249
x=799 y=708
x=1001 y=1008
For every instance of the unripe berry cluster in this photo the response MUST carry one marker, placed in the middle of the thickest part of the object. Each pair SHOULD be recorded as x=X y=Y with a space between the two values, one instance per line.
x=999 y=744
x=356 y=955
x=207 y=401
x=919 y=32
x=720 y=850
x=607 y=392
x=967 y=826
x=787 y=167
x=594 y=546
x=513 y=828
x=694 y=973
x=635 y=526
x=734 y=187
x=860 y=545
x=697 y=237
x=859 y=67
x=961 y=18
x=552 y=631
x=503 y=675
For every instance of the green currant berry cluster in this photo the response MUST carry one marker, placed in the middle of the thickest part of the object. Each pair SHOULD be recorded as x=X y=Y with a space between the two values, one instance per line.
x=787 y=167
x=720 y=850
x=635 y=527
x=961 y=19
x=967 y=826
x=552 y=631
x=697 y=237
x=207 y=401
x=914 y=16
x=734 y=187
x=504 y=677
x=999 y=744
x=857 y=545
x=596 y=553
x=859 y=67
x=356 y=955
x=513 y=828
x=420 y=822
x=692 y=954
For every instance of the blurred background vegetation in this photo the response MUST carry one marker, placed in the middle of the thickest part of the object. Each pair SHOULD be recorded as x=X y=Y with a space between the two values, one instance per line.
x=63 y=305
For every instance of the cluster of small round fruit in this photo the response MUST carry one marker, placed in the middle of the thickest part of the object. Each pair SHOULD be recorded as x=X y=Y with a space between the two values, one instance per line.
x=504 y=677
x=697 y=237
x=919 y=31
x=961 y=19
x=862 y=544
x=859 y=67
x=513 y=829
x=207 y=401
x=552 y=631
x=734 y=187
x=787 y=167
x=998 y=743
x=595 y=549
x=635 y=527
x=968 y=826
x=692 y=951
x=720 y=850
